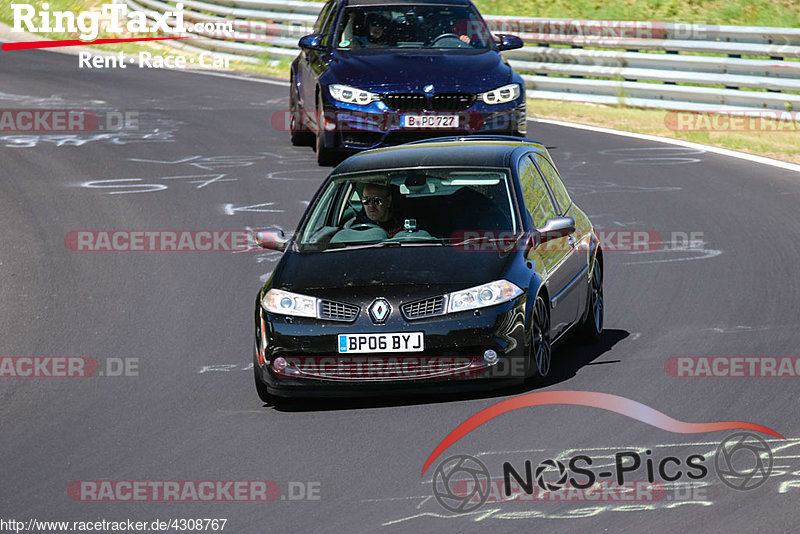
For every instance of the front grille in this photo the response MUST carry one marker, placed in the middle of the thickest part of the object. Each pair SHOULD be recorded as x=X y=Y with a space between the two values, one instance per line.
x=423 y=308
x=337 y=311
x=377 y=368
x=419 y=102
x=453 y=101
x=405 y=101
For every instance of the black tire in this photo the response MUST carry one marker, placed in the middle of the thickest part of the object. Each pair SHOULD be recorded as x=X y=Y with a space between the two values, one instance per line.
x=325 y=156
x=298 y=133
x=540 y=350
x=591 y=328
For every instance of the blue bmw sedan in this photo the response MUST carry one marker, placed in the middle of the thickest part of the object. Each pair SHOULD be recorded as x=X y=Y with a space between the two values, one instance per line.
x=378 y=73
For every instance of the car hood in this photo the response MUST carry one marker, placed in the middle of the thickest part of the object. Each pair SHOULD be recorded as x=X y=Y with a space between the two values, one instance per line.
x=411 y=70
x=413 y=266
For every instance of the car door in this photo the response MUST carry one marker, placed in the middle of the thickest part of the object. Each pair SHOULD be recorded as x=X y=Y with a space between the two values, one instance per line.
x=575 y=263
x=312 y=62
x=551 y=257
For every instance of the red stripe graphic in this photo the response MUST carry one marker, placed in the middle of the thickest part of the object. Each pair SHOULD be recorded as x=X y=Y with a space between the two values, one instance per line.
x=77 y=42
x=605 y=401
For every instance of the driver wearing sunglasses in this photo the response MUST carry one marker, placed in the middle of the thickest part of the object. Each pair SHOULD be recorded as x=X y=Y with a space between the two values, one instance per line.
x=377 y=202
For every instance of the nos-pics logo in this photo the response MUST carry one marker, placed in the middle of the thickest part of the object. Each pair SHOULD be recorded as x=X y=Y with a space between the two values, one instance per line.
x=462 y=483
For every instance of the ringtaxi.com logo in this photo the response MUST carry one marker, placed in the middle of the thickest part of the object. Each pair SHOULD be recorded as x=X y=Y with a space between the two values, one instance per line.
x=66 y=367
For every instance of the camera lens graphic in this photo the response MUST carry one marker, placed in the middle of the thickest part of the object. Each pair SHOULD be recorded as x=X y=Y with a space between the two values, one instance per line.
x=547 y=466
x=461 y=484
x=743 y=461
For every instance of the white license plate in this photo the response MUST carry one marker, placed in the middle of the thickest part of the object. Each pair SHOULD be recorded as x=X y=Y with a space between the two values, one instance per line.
x=400 y=342
x=429 y=121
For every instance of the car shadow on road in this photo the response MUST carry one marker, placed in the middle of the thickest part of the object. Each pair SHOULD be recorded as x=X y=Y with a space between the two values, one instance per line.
x=572 y=355
x=568 y=359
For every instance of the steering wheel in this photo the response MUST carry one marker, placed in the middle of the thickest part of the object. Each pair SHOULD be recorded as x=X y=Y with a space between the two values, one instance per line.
x=360 y=227
x=447 y=36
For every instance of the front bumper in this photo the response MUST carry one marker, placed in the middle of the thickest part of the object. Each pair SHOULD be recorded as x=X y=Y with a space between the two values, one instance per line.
x=453 y=359
x=349 y=126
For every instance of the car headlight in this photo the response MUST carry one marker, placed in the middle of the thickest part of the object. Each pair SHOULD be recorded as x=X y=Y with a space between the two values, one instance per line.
x=351 y=95
x=501 y=95
x=482 y=296
x=286 y=303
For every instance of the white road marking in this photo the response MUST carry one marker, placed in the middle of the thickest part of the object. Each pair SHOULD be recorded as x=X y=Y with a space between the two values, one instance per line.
x=716 y=150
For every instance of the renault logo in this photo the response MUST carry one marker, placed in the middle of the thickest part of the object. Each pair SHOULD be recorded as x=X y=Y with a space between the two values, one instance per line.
x=379 y=310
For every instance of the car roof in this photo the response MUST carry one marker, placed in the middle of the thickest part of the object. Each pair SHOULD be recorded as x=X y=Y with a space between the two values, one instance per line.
x=473 y=151
x=404 y=2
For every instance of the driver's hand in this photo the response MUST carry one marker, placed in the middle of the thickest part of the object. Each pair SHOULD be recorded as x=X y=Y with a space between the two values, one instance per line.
x=464 y=39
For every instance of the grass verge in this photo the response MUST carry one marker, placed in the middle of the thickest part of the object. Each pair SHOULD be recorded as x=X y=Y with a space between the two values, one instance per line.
x=779 y=139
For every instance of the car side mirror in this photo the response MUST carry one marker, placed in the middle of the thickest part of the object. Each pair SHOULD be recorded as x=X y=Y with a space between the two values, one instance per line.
x=555 y=228
x=508 y=42
x=272 y=240
x=311 y=42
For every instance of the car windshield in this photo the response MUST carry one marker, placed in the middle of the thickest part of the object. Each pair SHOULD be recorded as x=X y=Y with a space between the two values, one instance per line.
x=412 y=26
x=419 y=207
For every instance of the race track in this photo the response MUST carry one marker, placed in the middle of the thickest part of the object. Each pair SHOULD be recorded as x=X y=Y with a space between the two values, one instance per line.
x=205 y=157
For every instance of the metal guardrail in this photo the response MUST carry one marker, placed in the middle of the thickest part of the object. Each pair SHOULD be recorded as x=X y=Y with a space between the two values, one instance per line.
x=636 y=63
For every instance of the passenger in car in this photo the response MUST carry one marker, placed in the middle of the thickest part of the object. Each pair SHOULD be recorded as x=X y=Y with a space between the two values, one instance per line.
x=376 y=36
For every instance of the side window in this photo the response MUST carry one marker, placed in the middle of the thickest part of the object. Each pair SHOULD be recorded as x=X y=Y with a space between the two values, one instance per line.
x=555 y=183
x=537 y=199
x=321 y=215
x=323 y=17
x=327 y=25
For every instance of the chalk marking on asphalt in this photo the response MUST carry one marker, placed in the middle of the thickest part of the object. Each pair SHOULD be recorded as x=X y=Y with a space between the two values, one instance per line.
x=228 y=209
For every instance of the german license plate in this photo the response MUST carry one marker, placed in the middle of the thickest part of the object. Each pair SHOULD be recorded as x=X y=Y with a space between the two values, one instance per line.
x=429 y=121
x=388 y=342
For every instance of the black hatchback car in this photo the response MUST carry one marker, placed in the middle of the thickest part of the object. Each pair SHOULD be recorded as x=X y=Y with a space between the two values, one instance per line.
x=442 y=263
x=379 y=73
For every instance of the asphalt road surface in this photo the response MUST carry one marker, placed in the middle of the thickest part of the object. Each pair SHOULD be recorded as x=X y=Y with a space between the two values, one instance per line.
x=204 y=156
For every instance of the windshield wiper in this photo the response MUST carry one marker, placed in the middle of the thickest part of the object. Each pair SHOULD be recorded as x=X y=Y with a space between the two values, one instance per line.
x=478 y=239
x=381 y=244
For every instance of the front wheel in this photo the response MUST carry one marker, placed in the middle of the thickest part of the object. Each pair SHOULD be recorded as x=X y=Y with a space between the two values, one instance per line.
x=298 y=133
x=325 y=156
x=540 y=349
x=592 y=326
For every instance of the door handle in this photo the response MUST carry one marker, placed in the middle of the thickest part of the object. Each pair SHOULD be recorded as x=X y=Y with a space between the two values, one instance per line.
x=571 y=241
